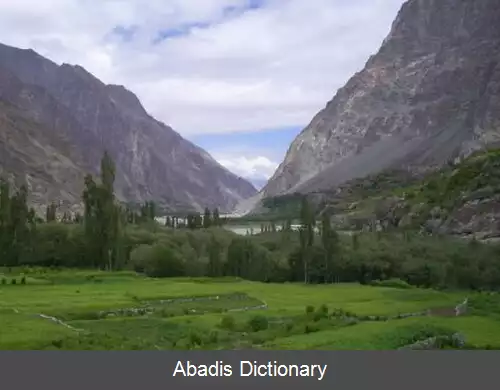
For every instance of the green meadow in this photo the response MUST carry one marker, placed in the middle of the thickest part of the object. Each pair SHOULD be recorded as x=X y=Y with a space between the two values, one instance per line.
x=44 y=309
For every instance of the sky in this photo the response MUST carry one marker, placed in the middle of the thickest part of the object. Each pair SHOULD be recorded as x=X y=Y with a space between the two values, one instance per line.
x=240 y=78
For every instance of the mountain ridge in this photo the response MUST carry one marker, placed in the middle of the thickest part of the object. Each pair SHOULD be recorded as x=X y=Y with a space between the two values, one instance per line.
x=154 y=162
x=430 y=94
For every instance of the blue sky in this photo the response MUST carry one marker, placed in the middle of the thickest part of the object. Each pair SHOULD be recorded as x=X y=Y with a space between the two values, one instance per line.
x=237 y=151
x=240 y=78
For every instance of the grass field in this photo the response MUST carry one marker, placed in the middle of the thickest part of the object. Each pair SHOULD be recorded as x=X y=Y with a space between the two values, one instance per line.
x=122 y=310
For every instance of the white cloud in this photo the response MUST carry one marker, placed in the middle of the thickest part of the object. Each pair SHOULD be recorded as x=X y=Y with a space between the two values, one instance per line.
x=269 y=67
x=253 y=168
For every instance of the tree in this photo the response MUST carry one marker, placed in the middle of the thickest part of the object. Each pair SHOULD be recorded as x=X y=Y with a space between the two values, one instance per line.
x=206 y=218
x=90 y=219
x=103 y=218
x=66 y=218
x=214 y=258
x=216 y=217
x=330 y=241
x=78 y=218
x=17 y=231
x=304 y=253
x=197 y=220
x=306 y=233
x=307 y=219
x=355 y=241
x=190 y=221
x=51 y=212
x=5 y=221
x=148 y=211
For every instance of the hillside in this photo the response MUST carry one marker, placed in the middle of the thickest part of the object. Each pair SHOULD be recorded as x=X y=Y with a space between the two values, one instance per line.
x=65 y=102
x=461 y=199
x=430 y=95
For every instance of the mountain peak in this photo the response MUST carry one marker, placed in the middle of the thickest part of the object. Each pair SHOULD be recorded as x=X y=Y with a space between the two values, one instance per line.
x=431 y=93
x=153 y=161
x=126 y=99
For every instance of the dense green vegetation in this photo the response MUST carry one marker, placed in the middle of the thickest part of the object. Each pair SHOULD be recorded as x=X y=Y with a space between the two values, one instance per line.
x=111 y=237
x=127 y=282
x=122 y=310
x=421 y=202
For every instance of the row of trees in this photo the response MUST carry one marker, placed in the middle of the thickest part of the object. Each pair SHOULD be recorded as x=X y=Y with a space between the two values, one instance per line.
x=196 y=220
x=17 y=224
x=111 y=236
x=305 y=264
x=104 y=221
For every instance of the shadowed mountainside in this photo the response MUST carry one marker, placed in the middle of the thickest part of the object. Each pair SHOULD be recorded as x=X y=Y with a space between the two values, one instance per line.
x=431 y=94
x=68 y=103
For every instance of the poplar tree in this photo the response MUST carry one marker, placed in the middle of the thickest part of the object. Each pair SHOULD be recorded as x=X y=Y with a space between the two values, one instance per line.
x=5 y=221
x=206 y=218
x=216 y=217
x=51 y=212
x=198 y=223
x=214 y=258
x=103 y=218
x=329 y=239
x=306 y=233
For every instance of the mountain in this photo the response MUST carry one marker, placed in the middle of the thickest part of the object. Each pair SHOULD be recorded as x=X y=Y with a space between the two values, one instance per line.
x=430 y=95
x=258 y=183
x=461 y=199
x=57 y=120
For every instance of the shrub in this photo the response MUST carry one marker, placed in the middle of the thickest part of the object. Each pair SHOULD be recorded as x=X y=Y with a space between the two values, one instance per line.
x=13 y=281
x=213 y=338
x=318 y=316
x=4 y=281
x=309 y=309
x=158 y=261
x=393 y=283
x=228 y=323
x=323 y=309
x=195 y=339
x=57 y=344
x=310 y=328
x=184 y=343
x=258 y=323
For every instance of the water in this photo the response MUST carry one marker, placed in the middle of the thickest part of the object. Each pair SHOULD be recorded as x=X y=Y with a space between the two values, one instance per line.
x=243 y=229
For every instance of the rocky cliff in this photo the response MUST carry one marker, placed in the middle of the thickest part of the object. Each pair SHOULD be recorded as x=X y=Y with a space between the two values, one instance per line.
x=460 y=199
x=56 y=121
x=431 y=94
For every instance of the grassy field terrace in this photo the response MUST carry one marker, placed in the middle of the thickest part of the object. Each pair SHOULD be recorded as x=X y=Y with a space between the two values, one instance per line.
x=81 y=310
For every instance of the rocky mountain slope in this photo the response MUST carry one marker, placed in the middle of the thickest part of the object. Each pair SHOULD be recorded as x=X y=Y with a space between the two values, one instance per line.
x=56 y=121
x=431 y=94
x=459 y=199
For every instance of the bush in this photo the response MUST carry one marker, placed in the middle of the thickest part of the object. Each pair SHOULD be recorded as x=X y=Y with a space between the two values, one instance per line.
x=184 y=344
x=158 y=261
x=13 y=281
x=323 y=309
x=310 y=328
x=393 y=283
x=228 y=322
x=309 y=309
x=258 y=323
x=213 y=338
x=4 y=281
x=195 y=339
